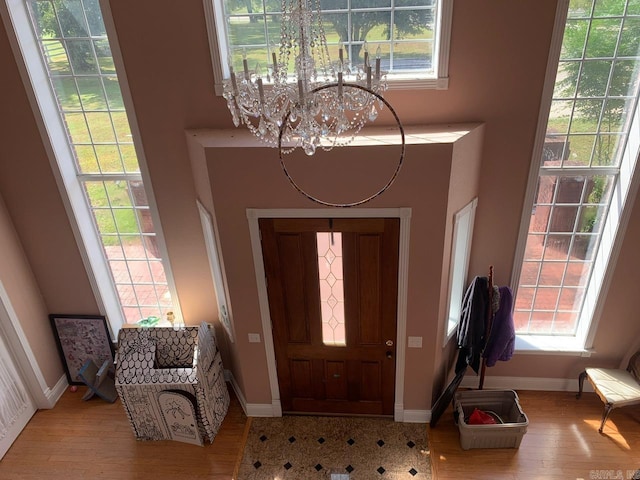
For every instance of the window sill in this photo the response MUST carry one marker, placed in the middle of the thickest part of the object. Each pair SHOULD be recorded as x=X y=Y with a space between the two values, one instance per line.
x=548 y=345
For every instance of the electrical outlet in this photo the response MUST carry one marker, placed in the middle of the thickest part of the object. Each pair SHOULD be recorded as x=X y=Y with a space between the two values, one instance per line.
x=254 y=338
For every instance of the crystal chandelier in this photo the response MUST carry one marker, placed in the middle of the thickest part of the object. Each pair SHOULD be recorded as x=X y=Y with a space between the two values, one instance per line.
x=321 y=103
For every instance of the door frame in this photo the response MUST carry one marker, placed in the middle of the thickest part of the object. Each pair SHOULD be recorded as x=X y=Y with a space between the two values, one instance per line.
x=404 y=214
x=25 y=360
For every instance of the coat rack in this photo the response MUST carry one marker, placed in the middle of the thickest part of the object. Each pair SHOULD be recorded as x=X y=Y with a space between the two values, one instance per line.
x=487 y=331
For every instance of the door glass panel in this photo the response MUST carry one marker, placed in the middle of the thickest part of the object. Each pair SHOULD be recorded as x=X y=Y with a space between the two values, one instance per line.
x=330 y=273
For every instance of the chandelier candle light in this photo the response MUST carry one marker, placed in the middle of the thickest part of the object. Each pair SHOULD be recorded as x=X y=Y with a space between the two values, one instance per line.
x=321 y=103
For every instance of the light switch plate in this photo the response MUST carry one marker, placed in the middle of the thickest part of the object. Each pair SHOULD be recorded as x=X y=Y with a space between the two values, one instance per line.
x=254 y=338
x=415 y=342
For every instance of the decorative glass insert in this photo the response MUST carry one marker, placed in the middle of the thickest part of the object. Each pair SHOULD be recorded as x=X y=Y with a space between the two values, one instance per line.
x=331 y=278
x=75 y=49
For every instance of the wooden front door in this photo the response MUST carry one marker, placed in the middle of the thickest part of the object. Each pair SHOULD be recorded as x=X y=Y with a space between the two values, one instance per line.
x=332 y=287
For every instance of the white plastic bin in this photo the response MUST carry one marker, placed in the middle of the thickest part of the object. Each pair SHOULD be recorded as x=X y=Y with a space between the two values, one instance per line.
x=505 y=404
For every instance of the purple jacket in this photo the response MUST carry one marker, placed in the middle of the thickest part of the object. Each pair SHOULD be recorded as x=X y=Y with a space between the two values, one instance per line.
x=503 y=333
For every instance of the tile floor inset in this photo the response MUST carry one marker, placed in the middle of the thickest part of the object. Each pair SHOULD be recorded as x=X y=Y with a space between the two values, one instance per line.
x=335 y=448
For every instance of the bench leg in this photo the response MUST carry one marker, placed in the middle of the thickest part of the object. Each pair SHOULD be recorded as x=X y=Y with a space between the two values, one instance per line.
x=581 y=378
x=607 y=411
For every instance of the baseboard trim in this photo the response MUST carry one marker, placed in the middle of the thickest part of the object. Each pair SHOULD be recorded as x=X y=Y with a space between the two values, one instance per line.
x=260 y=410
x=417 y=416
x=228 y=376
x=526 y=383
x=253 y=409
x=53 y=394
x=401 y=415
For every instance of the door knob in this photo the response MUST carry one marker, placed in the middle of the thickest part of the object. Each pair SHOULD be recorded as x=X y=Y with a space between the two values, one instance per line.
x=389 y=354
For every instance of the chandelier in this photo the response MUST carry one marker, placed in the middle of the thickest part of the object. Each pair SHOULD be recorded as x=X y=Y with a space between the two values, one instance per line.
x=303 y=98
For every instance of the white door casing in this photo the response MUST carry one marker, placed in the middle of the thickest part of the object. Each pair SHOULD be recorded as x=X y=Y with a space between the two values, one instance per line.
x=16 y=405
x=404 y=214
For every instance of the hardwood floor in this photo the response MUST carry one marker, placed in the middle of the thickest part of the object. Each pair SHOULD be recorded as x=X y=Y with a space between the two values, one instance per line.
x=93 y=440
x=562 y=442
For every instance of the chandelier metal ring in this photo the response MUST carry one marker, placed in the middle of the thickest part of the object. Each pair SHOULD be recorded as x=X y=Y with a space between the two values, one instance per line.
x=358 y=202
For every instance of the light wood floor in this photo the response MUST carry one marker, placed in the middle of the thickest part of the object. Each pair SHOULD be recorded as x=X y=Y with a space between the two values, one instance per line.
x=93 y=440
x=562 y=442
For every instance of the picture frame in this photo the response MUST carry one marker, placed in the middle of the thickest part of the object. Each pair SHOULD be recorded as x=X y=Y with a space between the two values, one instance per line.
x=80 y=338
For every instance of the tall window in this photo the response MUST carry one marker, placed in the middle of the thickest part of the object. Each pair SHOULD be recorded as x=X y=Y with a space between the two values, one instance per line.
x=587 y=144
x=99 y=153
x=412 y=35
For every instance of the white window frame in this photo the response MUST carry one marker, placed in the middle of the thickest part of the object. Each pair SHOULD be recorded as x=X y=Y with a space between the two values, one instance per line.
x=216 y=266
x=625 y=188
x=215 y=23
x=461 y=240
x=61 y=158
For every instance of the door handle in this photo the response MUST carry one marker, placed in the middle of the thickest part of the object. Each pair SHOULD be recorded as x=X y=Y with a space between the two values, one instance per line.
x=389 y=354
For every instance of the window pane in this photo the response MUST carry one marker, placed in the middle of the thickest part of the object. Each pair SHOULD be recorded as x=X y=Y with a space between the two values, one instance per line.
x=71 y=18
x=129 y=158
x=94 y=18
x=109 y=158
x=629 y=37
x=370 y=3
x=83 y=61
x=92 y=93
x=566 y=83
x=330 y=273
x=416 y=3
x=100 y=127
x=86 y=159
x=604 y=8
x=574 y=40
x=56 y=57
x=77 y=126
x=67 y=93
x=412 y=56
x=114 y=95
x=103 y=54
x=603 y=37
x=45 y=19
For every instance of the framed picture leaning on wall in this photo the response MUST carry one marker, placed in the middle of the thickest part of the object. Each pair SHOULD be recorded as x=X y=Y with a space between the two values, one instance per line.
x=81 y=338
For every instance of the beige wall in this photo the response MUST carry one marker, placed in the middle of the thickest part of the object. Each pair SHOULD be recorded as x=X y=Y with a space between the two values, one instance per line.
x=497 y=67
x=251 y=177
x=24 y=300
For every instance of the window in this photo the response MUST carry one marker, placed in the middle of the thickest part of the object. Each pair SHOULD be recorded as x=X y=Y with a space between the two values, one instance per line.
x=588 y=150
x=78 y=91
x=459 y=263
x=413 y=36
x=217 y=269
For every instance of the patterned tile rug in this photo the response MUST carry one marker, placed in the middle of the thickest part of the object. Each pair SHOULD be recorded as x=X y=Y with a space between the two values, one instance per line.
x=334 y=448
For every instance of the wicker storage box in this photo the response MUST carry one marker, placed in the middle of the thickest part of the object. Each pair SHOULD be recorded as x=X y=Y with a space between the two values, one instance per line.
x=504 y=404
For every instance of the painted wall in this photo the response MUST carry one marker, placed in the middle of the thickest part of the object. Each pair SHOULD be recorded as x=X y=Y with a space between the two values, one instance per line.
x=497 y=67
x=25 y=301
x=434 y=176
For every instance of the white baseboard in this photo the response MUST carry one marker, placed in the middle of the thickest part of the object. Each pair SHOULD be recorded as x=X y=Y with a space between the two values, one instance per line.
x=424 y=416
x=526 y=383
x=52 y=395
x=253 y=409
x=260 y=410
x=417 y=416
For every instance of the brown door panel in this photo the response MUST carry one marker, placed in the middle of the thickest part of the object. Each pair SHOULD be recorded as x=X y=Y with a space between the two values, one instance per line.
x=358 y=378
